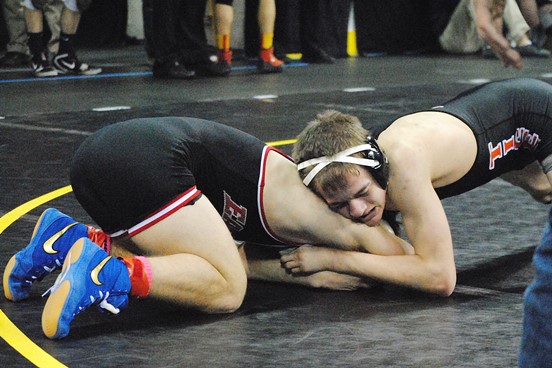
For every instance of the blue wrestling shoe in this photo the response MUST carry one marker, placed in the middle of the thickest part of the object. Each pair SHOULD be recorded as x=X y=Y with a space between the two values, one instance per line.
x=53 y=236
x=89 y=277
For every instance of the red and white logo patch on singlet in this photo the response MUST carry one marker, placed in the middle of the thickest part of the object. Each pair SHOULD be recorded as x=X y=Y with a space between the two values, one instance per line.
x=522 y=138
x=233 y=214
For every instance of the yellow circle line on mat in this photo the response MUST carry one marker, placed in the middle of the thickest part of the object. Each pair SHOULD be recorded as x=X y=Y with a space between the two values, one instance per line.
x=28 y=349
x=12 y=216
x=282 y=143
x=8 y=330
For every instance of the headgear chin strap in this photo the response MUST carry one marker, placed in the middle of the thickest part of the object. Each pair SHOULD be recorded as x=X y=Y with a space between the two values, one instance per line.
x=343 y=156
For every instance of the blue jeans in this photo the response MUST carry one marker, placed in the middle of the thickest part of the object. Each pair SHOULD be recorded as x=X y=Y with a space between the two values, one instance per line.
x=536 y=342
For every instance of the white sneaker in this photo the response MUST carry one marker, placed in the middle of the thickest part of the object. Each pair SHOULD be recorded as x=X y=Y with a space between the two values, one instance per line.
x=64 y=63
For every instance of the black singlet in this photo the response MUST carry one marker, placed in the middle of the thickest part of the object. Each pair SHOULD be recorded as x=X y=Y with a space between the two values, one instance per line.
x=129 y=175
x=512 y=123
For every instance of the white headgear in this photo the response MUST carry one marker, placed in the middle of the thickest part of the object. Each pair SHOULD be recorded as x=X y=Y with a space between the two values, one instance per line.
x=345 y=157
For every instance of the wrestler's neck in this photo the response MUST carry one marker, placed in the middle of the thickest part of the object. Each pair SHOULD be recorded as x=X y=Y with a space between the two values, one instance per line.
x=389 y=203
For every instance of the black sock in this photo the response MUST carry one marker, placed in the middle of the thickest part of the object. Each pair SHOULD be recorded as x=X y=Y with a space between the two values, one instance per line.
x=36 y=43
x=66 y=44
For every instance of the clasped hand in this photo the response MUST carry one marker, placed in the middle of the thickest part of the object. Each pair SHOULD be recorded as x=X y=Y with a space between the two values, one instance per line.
x=306 y=259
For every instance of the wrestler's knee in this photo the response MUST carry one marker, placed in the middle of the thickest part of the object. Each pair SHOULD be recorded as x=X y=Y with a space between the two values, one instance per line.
x=229 y=299
x=541 y=193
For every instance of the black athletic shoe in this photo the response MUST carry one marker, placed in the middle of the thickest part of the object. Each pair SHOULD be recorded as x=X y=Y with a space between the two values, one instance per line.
x=210 y=67
x=533 y=51
x=41 y=66
x=487 y=52
x=538 y=36
x=317 y=56
x=11 y=59
x=65 y=63
x=171 y=70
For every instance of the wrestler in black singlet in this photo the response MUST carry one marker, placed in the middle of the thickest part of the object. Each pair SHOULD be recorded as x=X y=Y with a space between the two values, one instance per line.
x=512 y=122
x=131 y=174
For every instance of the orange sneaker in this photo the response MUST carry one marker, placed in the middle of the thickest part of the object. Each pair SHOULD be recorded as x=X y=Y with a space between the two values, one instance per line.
x=268 y=63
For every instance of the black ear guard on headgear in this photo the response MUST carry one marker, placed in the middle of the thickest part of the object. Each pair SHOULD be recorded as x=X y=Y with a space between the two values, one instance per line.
x=373 y=158
x=379 y=172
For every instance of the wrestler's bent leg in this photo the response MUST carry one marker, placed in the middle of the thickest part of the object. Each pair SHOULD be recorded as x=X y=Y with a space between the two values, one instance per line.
x=196 y=262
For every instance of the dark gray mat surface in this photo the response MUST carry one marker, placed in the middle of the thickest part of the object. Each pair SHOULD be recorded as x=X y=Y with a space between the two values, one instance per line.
x=495 y=228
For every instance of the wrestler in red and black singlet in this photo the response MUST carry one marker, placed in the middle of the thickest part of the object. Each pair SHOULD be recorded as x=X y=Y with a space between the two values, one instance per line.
x=131 y=174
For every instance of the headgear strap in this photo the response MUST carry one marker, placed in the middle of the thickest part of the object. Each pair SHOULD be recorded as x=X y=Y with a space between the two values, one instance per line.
x=343 y=156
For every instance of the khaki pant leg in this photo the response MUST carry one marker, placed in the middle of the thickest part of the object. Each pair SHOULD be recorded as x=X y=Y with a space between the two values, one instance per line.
x=513 y=19
x=52 y=13
x=15 y=23
x=460 y=35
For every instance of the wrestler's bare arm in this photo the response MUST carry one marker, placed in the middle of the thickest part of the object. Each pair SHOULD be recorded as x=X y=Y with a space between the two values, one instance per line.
x=488 y=18
x=270 y=269
x=299 y=216
x=431 y=268
x=312 y=222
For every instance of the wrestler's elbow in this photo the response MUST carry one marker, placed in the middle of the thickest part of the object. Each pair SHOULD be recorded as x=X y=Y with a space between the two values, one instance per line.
x=407 y=248
x=445 y=288
x=443 y=281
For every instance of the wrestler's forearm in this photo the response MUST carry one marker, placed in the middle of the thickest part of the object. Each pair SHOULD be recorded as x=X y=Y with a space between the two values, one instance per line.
x=406 y=270
x=494 y=39
x=382 y=241
x=267 y=270
x=272 y=271
x=488 y=26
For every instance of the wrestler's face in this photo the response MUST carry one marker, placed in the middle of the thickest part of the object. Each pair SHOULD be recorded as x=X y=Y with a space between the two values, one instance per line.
x=362 y=199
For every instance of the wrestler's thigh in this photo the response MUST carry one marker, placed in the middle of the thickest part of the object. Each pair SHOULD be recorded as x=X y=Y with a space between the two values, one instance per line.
x=195 y=229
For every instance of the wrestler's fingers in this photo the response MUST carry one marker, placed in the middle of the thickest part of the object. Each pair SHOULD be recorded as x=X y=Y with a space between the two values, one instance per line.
x=296 y=271
x=284 y=260
x=290 y=264
x=288 y=258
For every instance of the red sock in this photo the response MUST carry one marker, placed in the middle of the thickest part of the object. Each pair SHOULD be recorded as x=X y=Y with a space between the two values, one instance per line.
x=139 y=271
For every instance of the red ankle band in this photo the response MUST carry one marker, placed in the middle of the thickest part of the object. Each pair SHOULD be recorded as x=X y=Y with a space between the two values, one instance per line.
x=99 y=238
x=225 y=56
x=139 y=271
